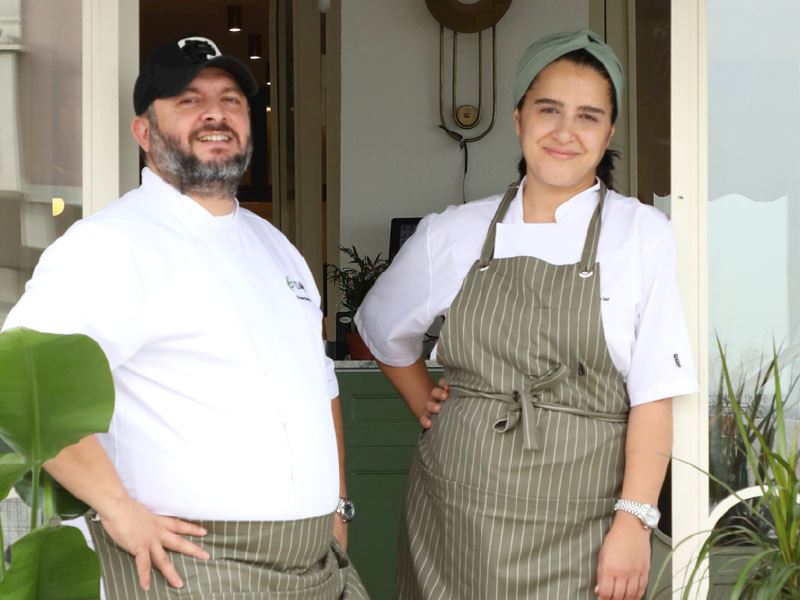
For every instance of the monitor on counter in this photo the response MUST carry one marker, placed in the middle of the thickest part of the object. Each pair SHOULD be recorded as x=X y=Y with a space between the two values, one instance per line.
x=402 y=229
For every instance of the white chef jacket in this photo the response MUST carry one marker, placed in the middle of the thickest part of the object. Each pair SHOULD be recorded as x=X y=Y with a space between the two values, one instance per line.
x=640 y=306
x=212 y=329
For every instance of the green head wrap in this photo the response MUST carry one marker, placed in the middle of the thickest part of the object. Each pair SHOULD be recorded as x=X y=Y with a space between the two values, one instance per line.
x=551 y=48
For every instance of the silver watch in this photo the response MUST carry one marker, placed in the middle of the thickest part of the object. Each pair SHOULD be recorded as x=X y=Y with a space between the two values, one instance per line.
x=646 y=513
x=346 y=509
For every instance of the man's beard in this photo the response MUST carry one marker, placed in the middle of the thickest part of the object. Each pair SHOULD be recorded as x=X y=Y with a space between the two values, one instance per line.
x=184 y=170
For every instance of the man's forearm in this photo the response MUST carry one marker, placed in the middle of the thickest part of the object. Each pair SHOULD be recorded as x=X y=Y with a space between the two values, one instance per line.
x=85 y=470
x=338 y=425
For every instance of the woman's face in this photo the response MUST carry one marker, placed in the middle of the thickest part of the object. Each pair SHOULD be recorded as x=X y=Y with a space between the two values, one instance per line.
x=564 y=126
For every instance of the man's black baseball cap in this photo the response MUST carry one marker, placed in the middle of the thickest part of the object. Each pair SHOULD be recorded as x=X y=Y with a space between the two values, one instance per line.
x=172 y=66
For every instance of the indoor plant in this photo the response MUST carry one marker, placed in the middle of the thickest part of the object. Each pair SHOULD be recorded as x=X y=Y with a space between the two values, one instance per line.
x=354 y=282
x=54 y=390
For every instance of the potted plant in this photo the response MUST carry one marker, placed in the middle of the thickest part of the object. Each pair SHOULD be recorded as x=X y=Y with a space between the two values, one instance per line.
x=54 y=390
x=354 y=282
x=768 y=526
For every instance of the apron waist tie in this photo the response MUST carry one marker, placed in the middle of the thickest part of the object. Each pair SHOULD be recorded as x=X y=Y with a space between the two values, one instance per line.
x=523 y=402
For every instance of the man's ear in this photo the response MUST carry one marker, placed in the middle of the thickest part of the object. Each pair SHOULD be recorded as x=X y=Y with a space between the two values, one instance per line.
x=140 y=128
x=517 y=118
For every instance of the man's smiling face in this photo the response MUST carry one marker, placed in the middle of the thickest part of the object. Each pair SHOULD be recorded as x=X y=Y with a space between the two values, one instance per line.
x=199 y=140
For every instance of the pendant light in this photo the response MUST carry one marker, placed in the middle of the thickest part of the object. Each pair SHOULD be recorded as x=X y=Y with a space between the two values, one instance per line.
x=254 y=46
x=234 y=17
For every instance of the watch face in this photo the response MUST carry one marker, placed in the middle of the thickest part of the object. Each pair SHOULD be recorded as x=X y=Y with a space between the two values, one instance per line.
x=651 y=517
x=346 y=510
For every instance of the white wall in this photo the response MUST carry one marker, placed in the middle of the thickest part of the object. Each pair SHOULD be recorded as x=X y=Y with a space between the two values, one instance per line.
x=395 y=161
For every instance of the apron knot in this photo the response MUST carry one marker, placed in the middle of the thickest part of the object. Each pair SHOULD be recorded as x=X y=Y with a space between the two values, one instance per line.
x=523 y=404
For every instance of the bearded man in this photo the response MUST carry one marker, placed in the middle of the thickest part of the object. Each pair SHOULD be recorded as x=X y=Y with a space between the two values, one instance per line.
x=226 y=426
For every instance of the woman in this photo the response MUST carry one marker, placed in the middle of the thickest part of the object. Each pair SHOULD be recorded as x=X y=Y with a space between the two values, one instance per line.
x=563 y=344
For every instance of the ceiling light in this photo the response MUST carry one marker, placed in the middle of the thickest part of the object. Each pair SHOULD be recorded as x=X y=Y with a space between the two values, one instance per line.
x=254 y=46
x=234 y=17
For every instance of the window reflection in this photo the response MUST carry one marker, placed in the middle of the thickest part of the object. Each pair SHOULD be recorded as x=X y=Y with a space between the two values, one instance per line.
x=754 y=195
x=40 y=149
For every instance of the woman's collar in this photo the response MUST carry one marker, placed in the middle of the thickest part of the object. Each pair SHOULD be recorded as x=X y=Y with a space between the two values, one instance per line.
x=576 y=207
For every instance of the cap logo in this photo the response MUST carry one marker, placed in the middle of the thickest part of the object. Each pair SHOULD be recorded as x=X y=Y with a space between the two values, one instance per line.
x=199 y=49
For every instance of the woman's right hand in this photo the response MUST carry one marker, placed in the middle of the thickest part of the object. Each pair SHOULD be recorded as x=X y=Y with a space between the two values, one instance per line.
x=438 y=394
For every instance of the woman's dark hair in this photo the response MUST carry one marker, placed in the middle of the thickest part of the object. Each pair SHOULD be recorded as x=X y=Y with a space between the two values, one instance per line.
x=605 y=168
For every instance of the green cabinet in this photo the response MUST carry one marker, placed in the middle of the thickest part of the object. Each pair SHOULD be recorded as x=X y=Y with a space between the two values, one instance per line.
x=380 y=437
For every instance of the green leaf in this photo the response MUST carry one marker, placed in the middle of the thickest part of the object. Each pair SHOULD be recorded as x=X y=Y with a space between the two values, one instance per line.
x=67 y=506
x=12 y=467
x=54 y=390
x=52 y=564
x=772 y=529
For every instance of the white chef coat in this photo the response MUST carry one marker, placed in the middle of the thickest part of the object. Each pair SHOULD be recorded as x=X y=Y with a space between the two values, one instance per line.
x=212 y=329
x=640 y=306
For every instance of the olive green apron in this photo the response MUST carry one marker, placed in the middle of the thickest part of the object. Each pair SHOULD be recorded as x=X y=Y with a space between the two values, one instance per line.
x=512 y=490
x=250 y=560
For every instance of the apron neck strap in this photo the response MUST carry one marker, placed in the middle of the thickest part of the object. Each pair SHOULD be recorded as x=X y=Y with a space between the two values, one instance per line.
x=589 y=256
x=487 y=253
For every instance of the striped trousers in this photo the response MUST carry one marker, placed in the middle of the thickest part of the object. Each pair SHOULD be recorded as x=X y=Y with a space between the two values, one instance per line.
x=250 y=560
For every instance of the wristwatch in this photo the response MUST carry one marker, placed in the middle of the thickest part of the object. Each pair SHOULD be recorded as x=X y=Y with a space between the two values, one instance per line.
x=646 y=513
x=346 y=509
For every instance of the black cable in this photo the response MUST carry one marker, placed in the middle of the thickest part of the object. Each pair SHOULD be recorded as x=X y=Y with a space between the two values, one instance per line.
x=464 y=147
x=462 y=143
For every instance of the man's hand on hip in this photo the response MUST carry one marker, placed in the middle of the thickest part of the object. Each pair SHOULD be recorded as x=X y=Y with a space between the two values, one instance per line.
x=147 y=537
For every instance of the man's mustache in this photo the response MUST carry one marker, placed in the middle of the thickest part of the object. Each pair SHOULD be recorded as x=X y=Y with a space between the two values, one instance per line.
x=211 y=129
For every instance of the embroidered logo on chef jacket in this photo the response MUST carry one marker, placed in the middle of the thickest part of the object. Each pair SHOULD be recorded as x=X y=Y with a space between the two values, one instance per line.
x=298 y=288
x=677 y=360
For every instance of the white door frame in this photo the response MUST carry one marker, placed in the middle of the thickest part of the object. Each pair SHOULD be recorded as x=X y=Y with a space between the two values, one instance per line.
x=110 y=64
x=689 y=185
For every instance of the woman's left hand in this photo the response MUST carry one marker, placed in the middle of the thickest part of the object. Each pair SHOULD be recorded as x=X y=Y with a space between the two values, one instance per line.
x=624 y=560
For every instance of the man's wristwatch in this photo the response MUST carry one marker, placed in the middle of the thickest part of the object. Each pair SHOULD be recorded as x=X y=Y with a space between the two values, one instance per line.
x=646 y=513
x=346 y=509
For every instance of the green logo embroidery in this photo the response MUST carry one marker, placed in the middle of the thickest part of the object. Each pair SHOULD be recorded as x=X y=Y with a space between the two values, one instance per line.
x=298 y=288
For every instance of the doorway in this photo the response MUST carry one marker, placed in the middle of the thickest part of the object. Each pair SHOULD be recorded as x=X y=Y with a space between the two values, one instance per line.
x=285 y=45
x=239 y=28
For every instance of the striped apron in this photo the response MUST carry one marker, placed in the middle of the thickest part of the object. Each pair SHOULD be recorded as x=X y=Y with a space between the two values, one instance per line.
x=250 y=560
x=512 y=490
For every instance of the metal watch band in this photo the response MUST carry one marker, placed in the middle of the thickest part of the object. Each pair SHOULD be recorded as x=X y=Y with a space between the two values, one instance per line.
x=646 y=513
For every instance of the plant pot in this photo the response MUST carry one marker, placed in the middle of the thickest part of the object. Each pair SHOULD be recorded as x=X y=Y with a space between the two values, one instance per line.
x=358 y=349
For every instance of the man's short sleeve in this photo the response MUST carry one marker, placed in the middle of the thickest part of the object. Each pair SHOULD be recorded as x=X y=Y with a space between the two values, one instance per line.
x=87 y=282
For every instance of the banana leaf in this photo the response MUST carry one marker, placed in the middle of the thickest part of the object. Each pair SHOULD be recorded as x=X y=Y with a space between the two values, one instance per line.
x=12 y=467
x=54 y=390
x=52 y=563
